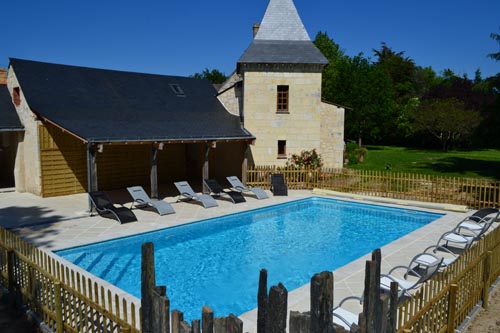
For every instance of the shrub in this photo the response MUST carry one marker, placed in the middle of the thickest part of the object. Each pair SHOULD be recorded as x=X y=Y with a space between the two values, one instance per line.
x=306 y=159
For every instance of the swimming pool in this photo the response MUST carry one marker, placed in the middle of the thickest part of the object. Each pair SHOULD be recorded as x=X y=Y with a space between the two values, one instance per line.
x=216 y=262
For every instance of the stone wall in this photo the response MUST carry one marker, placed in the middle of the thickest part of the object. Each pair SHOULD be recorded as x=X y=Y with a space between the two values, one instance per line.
x=301 y=127
x=27 y=170
x=230 y=95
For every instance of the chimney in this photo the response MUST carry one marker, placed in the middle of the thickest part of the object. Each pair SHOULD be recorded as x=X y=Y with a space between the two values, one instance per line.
x=3 y=76
x=256 y=27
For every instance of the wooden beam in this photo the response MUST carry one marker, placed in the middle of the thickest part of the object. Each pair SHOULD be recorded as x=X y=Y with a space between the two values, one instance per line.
x=244 y=164
x=92 y=184
x=205 y=173
x=154 y=172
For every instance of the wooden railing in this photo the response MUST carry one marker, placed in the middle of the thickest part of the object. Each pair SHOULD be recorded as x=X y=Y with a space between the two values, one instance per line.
x=443 y=303
x=65 y=300
x=474 y=193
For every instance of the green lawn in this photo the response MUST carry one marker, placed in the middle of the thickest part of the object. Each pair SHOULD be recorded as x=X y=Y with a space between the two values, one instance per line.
x=476 y=163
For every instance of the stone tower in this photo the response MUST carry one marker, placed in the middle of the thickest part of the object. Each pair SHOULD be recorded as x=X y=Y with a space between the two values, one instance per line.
x=277 y=92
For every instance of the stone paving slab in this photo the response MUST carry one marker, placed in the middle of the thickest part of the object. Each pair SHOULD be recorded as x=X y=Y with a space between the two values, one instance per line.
x=62 y=222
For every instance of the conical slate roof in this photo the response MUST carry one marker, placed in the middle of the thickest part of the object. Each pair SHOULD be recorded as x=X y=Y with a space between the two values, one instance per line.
x=282 y=39
x=282 y=22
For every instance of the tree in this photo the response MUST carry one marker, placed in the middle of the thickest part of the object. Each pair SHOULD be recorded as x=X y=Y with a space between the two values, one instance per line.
x=495 y=56
x=215 y=76
x=447 y=120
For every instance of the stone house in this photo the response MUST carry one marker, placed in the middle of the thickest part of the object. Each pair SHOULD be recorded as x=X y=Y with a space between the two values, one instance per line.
x=276 y=91
x=70 y=129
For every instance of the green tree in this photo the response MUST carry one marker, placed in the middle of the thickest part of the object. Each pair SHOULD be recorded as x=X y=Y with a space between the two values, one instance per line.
x=495 y=56
x=215 y=76
x=447 y=120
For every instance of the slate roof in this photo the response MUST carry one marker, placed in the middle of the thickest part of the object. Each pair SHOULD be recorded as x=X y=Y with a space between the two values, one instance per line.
x=100 y=105
x=282 y=39
x=9 y=120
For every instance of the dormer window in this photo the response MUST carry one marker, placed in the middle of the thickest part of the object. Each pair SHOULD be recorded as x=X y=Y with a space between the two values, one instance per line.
x=177 y=90
x=16 y=96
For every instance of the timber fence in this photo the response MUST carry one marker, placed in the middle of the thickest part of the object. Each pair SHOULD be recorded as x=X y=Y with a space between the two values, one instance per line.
x=474 y=193
x=65 y=300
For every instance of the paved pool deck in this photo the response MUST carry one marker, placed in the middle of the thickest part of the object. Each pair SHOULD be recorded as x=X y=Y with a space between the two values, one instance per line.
x=62 y=222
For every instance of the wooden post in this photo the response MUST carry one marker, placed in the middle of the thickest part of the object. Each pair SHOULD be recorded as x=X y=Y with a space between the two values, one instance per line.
x=377 y=258
x=322 y=302
x=384 y=310
x=276 y=316
x=207 y=320
x=262 y=302
x=452 y=305
x=486 y=280
x=161 y=310
x=234 y=324
x=205 y=173
x=148 y=282
x=220 y=325
x=58 y=305
x=11 y=282
x=393 y=307
x=154 y=172
x=244 y=164
x=91 y=173
x=177 y=318
x=371 y=299
x=300 y=322
x=195 y=324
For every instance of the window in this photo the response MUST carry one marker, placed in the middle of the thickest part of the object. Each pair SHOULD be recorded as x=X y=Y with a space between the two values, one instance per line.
x=281 y=148
x=282 y=100
x=177 y=90
x=16 y=96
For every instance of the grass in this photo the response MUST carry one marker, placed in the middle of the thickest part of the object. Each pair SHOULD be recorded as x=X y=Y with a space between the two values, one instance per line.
x=475 y=163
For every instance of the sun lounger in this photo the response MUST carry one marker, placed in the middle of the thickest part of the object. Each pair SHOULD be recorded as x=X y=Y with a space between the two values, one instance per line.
x=141 y=200
x=105 y=207
x=278 y=185
x=468 y=231
x=186 y=191
x=480 y=220
x=238 y=186
x=217 y=190
x=409 y=279
x=343 y=317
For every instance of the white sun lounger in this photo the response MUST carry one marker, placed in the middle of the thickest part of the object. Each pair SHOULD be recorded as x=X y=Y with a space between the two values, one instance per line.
x=186 y=191
x=141 y=200
x=238 y=186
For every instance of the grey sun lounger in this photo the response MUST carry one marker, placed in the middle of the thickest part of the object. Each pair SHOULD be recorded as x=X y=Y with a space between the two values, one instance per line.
x=278 y=184
x=186 y=191
x=217 y=190
x=105 y=208
x=141 y=200
x=238 y=186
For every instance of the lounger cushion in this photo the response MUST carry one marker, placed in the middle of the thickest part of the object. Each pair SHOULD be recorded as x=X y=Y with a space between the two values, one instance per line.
x=347 y=315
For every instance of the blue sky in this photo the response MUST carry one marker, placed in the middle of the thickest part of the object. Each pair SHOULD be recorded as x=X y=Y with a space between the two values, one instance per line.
x=185 y=37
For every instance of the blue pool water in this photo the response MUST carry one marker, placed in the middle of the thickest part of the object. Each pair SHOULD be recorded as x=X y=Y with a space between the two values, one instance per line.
x=216 y=262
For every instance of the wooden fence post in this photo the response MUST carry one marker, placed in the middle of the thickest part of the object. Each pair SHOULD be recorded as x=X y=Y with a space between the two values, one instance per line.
x=300 y=322
x=371 y=299
x=452 y=305
x=262 y=302
x=234 y=324
x=322 y=302
x=393 y=308
x=58 y=307
x=161 y=310
x=486 y=279
x=207 y=320
x=147 y=284
x=276 y=315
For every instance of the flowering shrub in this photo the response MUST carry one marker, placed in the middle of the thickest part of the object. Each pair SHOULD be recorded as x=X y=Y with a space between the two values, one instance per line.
x=306 y=159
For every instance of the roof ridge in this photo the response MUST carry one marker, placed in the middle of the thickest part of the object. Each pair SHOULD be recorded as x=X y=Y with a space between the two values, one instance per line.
x=282 y=22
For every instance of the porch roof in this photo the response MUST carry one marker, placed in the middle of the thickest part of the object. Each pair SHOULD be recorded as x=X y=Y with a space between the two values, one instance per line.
x=98 y=105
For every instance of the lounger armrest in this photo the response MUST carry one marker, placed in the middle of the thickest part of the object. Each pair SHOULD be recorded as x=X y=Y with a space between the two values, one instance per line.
x=350 y=298
x=408 y=270
x=436 y=248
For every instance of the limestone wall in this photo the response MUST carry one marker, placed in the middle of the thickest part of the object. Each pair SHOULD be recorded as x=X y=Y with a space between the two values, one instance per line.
x=332 y=135
x=27 y=170
x=301 y=128
x=230 y=94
